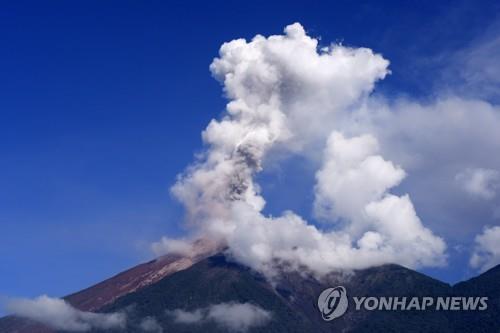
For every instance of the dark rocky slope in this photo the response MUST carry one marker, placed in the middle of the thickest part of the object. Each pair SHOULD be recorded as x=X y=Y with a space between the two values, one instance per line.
x=291 y=299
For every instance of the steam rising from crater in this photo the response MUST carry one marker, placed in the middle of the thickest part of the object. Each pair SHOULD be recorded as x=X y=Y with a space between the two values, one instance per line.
x=286 y=94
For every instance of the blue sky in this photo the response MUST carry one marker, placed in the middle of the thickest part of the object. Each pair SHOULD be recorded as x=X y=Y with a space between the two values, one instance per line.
x=102 y=105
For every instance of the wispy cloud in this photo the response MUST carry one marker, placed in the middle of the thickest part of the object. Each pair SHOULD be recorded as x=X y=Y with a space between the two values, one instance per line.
x=237 y=317
x=150 y=324
x=58 y=314
x=479 y=182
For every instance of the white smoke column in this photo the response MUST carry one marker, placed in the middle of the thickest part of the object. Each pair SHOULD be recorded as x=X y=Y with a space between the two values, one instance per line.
x=280 y=89
x=282 y=93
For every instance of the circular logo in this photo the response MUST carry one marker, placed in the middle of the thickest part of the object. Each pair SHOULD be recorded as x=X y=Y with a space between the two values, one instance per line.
x=332 y=303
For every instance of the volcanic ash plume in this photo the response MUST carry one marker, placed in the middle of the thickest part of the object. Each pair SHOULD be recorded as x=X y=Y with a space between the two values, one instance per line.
x=286 y=94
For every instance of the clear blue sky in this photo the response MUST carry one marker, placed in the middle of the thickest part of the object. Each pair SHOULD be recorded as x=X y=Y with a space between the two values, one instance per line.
x=102 y=104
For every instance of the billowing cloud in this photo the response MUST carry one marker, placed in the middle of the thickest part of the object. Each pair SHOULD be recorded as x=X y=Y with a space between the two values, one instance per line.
x=276 y=86
x=352 y=176
x=58 y=314
x=446 y=133
x=353 y=185
x=479 y=182
x=487 y=250
x=434 y=142
x=236 y=317
x=285 y=94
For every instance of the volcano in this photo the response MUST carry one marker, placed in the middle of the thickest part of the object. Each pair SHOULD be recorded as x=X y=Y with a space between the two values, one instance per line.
x=207 y=276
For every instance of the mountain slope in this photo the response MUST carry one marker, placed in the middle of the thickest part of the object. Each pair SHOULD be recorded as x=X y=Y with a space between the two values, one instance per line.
x=107 y=291
x=211 y=281
x=386 y=280
x=486 y=284
x=95 y=297
x=292 y=300
x=155 y=289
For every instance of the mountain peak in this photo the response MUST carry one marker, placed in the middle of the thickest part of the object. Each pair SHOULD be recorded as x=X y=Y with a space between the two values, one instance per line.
x=206 y=276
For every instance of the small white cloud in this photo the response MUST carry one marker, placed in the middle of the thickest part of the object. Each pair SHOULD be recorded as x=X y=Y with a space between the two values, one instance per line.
x=480 y=182
x=237 y=317
x=58 y=314
x=187 y=317
x=487 y=250
x=172 y=246
x=150 y=324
